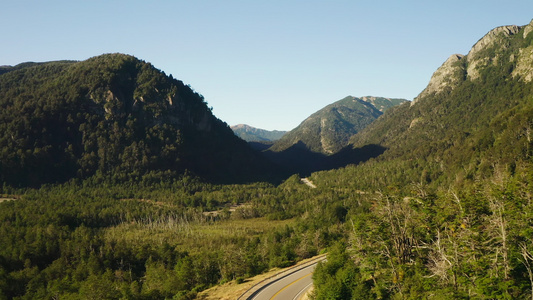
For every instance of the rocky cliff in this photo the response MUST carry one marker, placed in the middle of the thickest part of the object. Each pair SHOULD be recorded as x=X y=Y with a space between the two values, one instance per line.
x=328 y=130
x=490 y=50
x=474 y=114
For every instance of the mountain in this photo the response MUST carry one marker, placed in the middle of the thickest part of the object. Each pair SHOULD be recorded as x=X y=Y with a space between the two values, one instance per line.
x=252 y=134
x=446 y=209
x=383 y=104
x=474 y=115
x=328 y=130
x=111 y=115
x=320 y=142
x=5 y=69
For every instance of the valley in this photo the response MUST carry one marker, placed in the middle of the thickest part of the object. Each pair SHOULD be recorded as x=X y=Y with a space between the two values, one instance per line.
x=129 y=187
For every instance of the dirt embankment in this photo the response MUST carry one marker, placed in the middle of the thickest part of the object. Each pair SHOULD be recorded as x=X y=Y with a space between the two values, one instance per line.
x=308 y=182
x=7 y=198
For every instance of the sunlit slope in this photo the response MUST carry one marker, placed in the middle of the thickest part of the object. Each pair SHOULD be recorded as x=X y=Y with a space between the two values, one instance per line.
x=475 y=115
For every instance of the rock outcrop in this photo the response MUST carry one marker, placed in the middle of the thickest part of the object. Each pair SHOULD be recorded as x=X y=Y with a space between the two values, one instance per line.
x=328 y=130
x=491 y=38
x=448 y=75
x=477 y=60
x=528 y=29
x=490 y=50
x=524 y=60
x=382 y=104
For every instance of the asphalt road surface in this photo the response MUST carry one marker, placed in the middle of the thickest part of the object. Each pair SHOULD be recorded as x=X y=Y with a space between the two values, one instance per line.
x=290 y=287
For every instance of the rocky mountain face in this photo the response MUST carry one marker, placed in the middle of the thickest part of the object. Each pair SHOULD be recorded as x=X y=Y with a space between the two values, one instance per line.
x=447 y=76
x=474 y=115
x=455 y=162
x=491 y=50
x=328 y=130
x=111 y=115
x=383 y=104
x=252 y=134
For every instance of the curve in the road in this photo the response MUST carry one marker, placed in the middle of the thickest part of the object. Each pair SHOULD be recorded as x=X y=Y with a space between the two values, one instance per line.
x=298 y=289
x=289 y=286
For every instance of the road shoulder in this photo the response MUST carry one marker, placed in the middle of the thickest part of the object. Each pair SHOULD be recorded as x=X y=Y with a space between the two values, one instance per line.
x=232 y=290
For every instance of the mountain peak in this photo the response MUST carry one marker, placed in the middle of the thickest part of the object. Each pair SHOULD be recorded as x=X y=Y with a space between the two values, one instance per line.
x=447 y=75
x=528 y=28
x=240 y=126
x=112 y=115
x=329 y=129
x=382 y=103
x=252 y=134
x=464 y=97
x=492 y=37
x=500 y=46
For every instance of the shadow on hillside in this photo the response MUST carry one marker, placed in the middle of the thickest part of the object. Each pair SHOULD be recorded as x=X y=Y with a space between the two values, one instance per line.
x=260 y=146
x=299 y=159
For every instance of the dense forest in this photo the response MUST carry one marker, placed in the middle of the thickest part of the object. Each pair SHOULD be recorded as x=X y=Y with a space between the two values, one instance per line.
x=155 y=241
x=111 y=115
x=104 y=194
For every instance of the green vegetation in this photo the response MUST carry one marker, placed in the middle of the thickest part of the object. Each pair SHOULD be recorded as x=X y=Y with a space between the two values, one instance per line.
x=449 y=244
x=111 y=115
x=152 y=242
x=103 y=166
x=448 y=208
x=328 y=130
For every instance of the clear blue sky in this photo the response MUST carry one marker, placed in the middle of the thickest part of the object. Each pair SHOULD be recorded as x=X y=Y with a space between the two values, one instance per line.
x=269 y=64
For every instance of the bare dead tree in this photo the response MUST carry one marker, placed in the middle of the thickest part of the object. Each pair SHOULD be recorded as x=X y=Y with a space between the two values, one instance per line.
x=499 y=225
x=439 y=261
x=528 y=263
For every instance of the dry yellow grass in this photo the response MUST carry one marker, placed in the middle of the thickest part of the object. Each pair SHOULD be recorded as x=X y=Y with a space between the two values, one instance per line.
x=232 y=290
x=191 y=236
x=8 y=198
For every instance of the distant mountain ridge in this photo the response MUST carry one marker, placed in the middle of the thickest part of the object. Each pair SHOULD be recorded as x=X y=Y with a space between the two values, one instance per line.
x=252 y=134
x=383 y=104
x=328 y=130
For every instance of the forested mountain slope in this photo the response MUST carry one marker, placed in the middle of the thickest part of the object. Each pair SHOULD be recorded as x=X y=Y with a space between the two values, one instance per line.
x=441 y=208
x=328 y=130
x=111 y=115
x=448 y=207
x=474 y=114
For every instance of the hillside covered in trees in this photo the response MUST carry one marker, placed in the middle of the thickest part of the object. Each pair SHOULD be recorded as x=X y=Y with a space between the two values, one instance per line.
x=112 y=116
x=441 y=207
x=329 y=129
x=449 y=209
x=320 y=142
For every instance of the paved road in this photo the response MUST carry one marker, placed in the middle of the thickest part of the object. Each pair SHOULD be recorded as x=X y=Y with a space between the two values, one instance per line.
x=289 y=287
